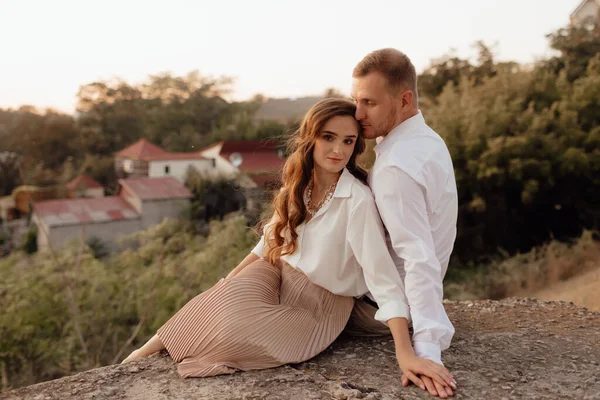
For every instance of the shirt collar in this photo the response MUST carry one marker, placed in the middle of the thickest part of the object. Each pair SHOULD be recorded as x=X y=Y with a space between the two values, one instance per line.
x=344 y=185
x=414 y=122
x=342 y=189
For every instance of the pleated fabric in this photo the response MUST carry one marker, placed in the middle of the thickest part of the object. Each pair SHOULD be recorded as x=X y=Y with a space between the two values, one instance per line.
x=264 y=317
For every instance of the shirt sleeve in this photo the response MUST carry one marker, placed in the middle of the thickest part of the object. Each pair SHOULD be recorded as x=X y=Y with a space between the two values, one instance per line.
x=367 y=240
x=401 y=202
x=259 y=248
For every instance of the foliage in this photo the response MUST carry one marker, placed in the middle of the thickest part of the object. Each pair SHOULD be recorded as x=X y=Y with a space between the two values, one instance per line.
x=30 y=242
x=213 y=197
x=72 y=311
x=524 y=143
x=524 y=273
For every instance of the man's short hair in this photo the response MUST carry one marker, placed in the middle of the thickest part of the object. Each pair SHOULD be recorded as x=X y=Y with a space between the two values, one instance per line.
x=394 y=65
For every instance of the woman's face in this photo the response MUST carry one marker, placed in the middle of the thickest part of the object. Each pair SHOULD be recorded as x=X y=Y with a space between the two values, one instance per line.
x=335 y=143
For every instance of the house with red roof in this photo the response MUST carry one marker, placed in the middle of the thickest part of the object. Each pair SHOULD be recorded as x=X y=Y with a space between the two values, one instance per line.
x=84 y=186
x=257 y=162
x=139 y=204
x=144 y=159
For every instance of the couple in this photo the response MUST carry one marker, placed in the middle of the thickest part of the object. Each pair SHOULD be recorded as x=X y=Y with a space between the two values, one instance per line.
x=322 y=264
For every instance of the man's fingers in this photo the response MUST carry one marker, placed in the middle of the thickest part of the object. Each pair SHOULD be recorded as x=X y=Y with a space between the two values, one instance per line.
x=415 y=379
x=443 y=391
x=429 y=385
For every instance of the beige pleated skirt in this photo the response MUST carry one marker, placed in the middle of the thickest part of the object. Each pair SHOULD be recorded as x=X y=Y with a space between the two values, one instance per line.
x=264 y=317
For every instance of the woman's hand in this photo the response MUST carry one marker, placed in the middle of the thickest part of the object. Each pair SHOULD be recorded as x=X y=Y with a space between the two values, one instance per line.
x=250 y=258
x=426 y=374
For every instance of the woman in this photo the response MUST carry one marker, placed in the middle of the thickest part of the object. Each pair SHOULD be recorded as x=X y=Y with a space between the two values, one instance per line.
x=293 y=294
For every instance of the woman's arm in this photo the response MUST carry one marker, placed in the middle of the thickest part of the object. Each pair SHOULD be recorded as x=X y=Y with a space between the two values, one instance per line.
x=255 y=254
x=250 y=258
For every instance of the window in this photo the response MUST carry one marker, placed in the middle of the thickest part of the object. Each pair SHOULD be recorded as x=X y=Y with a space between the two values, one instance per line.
x=166 y=170
x=128 y=166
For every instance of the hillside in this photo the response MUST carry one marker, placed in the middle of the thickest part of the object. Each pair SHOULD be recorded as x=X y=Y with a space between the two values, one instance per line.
x=514 y=348
x=285 y=109
x=582 y=290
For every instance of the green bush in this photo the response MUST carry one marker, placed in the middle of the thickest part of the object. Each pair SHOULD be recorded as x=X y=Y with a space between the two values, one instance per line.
x=30 y=243
x=74 y=312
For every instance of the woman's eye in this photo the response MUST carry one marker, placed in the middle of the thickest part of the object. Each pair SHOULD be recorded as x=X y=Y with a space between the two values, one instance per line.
x=328 y=137
x=348 y=141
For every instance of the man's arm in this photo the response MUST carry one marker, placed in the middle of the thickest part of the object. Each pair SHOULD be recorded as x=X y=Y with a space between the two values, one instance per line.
x=366 y=236
x=402 y=205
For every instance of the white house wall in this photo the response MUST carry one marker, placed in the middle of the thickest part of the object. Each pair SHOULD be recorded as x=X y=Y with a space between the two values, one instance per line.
x=153 y=212
x=225 y=168
x=107 y=232
x=589 y=10
x=178 y=168
x=94 y=192
x=222 y=166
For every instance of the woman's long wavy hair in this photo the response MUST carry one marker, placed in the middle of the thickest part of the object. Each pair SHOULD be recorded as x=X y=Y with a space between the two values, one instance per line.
x=281 y=236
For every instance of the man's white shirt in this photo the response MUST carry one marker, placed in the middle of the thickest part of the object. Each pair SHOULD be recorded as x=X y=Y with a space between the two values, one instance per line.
x=415 y=192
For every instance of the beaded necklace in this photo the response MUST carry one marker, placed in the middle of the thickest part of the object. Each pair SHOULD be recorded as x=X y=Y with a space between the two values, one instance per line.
x=312 y=210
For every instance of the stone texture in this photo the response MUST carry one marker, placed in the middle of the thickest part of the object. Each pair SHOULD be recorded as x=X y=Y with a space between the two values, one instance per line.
x=509 y=349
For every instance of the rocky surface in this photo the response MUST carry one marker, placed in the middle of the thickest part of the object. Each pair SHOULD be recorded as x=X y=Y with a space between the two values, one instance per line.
x=509 y=349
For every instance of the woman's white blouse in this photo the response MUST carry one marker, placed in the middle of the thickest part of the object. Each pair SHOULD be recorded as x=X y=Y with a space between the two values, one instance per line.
x=343 y=249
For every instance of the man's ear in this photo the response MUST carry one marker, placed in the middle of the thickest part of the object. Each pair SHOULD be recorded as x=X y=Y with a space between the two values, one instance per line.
x=407 y=98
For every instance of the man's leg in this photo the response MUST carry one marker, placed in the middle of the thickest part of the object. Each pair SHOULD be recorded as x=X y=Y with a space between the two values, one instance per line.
x=362 y=321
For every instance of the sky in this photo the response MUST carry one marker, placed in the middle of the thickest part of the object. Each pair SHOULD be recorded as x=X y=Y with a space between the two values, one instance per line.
x=48 y=49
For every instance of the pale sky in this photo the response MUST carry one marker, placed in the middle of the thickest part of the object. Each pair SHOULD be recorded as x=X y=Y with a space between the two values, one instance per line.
x=48 y=48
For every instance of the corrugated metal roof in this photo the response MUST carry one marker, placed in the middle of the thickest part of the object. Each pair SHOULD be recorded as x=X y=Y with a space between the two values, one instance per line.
x=258 y=156
x=266 y=179
x=177 y=156
x=156 y=188
x=80 y=211
x=248 y=146
x=244 y=146
x=258 y=161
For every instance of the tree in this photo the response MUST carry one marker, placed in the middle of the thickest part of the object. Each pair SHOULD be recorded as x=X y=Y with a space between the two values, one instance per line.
x=576 y=45
x=10 y=172
x=333 y=92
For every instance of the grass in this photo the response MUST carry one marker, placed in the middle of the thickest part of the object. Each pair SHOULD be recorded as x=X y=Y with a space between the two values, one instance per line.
x=523 y=274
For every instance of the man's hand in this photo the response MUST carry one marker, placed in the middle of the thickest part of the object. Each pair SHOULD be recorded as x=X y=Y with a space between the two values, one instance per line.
x=428 y=375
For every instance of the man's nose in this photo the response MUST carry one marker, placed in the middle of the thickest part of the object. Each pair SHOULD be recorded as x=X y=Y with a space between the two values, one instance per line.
x=359 y=114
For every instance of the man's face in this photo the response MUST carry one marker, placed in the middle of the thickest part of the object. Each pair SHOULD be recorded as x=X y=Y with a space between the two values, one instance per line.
x=376 y=109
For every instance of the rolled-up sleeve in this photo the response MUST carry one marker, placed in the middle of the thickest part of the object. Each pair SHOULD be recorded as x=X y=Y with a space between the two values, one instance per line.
x=401 y=202
x=367 y=240
x=259 y=248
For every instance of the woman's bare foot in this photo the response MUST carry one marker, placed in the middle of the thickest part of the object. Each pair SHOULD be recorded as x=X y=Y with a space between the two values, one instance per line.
x=135 y=355
x=152 y=346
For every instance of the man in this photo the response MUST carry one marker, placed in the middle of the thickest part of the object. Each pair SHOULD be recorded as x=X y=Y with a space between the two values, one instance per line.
x=415 y=191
